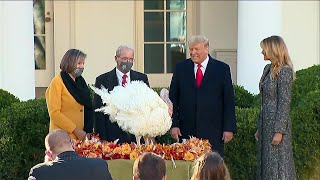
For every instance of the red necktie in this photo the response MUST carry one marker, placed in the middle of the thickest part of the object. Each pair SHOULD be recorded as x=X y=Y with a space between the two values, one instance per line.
x=199 y=75
x=124 y=80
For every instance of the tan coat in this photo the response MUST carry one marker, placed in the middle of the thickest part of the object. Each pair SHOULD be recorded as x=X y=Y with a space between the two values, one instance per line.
x=64 y=111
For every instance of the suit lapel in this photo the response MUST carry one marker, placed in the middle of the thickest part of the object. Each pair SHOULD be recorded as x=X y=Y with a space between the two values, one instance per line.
x=190 y=73
x=114 y=79
x=133 y=76
x=210 y=69
x=265 y=72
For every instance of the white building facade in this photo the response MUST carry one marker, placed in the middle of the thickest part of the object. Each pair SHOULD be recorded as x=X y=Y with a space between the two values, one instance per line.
x=158 y=32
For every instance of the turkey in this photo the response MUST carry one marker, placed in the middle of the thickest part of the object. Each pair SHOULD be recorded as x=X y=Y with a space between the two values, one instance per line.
x=137 y=109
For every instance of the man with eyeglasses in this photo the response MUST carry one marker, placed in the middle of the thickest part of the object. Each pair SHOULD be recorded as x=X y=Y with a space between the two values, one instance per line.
x=64 y=163
x=120 y=75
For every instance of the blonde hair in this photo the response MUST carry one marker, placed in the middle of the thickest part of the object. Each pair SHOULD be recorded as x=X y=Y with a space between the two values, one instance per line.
x=210 y=166
x=276 y=50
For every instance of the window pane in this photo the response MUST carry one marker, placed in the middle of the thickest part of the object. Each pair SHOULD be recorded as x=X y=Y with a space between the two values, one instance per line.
x=153 y=58
x=176 y=4
x=176 y=26
x=39 y=52
x=153 y=4
x=153 y=27
x=38 y=16
x=175 y=53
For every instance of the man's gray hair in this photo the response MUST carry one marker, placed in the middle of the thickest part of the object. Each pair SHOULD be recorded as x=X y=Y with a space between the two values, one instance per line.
x=198 y=39
x=123 y=48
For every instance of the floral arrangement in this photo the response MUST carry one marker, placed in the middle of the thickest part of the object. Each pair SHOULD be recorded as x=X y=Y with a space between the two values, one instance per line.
x=188 y=150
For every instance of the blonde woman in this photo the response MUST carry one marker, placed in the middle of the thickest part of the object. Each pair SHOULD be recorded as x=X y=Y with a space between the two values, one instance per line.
x=275 y=156
x=210 y=166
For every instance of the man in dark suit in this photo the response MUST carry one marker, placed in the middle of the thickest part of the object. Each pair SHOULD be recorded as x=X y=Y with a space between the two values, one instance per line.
x=65 y=163
x=203 y=97
x=120 y=75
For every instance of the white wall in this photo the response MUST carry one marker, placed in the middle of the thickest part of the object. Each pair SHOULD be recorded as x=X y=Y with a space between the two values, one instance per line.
x=97 y=28
x=219 y=23
x=17 y=68
x=257 y=20
x=301 y=25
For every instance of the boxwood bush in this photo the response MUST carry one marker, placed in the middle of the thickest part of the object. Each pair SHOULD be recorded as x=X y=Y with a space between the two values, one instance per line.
x=245 y=99
x=306 y=80
x=240 y=153
x=23 y=127
x=305 y=135
x=6 y=99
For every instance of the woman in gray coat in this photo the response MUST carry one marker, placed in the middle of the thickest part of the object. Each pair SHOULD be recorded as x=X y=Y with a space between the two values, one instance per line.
x=275 y=156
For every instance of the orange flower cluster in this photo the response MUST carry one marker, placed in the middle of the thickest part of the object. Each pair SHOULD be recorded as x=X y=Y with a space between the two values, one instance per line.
x=188 y=150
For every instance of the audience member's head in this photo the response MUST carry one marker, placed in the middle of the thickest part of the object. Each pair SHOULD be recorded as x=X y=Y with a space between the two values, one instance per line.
x=210 y=166
x=149 y=166
x=56 y=142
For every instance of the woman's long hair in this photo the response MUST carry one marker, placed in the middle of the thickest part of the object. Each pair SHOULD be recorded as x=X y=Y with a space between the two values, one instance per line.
x=276 y=50
x=210 y=166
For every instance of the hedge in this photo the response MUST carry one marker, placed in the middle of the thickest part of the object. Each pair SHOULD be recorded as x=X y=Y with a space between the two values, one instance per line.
x=23 y=126
x=6 y=99
x=240 y=153
x=307 y=80
x=245 y=99
x=305 y=135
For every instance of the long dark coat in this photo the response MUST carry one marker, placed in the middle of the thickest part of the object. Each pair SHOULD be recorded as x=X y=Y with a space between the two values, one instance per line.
x=204 y=112
x=275 y=162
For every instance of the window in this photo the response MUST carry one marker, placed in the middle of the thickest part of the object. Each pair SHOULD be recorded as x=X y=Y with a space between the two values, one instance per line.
x=39 y=34
x=43 y=42
x=165 y=29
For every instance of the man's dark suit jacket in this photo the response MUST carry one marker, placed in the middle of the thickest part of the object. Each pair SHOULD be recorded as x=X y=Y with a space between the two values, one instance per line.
x=69 y=165
x=103 y=126
x=204 y=112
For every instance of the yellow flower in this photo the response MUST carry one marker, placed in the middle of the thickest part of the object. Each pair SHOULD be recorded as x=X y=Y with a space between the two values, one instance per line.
x=117 y=150
x=126 y=149
x=133 y=155
x=96 y=145
x=188 y=156
x=106 y=148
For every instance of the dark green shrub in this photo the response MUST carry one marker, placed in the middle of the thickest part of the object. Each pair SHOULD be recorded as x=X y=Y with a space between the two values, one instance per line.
x=6 y=99
x=305 y=135
x=240 y=153
x=24 y=126
x=306 y=80
x=243 y=98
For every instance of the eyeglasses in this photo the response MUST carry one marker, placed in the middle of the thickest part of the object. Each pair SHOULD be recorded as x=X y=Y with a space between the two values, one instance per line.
x=126 y=59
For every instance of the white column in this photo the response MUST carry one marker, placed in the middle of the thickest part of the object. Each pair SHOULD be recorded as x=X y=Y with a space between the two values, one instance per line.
x=17 y=68
x=256 y=21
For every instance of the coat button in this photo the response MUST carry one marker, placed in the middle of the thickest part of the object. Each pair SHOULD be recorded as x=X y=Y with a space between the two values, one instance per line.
x=81 y=110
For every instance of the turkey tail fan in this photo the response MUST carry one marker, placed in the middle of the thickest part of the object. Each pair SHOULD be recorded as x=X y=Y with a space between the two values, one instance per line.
x=103 y=93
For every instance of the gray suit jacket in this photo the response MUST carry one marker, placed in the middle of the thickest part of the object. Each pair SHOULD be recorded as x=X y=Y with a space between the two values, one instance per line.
x=69 y=165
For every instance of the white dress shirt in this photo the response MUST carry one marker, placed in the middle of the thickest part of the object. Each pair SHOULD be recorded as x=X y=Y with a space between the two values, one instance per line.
x=119 y=76
x=203 y=68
